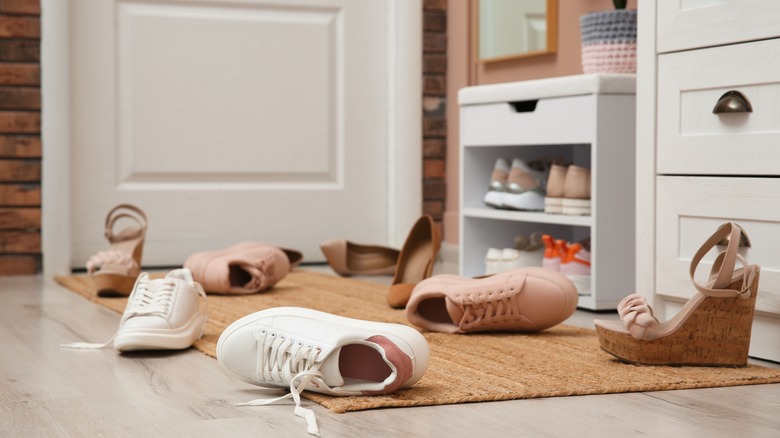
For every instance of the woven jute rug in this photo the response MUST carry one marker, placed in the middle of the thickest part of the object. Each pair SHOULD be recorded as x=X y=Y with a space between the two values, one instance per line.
x=560 y=361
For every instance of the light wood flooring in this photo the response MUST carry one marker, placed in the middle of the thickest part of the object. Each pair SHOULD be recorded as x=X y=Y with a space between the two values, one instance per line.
x=48 y=391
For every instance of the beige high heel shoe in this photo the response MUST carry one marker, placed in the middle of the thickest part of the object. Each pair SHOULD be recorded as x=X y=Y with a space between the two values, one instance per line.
x=415 y=263
x=114 y=271
x=712 y=329
x=349 y=258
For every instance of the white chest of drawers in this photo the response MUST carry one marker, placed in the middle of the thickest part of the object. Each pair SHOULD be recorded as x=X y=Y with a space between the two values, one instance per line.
x=697 y=167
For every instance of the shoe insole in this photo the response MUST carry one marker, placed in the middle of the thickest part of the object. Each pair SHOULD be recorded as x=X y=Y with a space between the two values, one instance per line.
x=417 y=264
x=361 y=362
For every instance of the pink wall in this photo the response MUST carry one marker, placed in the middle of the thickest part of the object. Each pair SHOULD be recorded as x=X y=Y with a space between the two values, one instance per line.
x=462 y=71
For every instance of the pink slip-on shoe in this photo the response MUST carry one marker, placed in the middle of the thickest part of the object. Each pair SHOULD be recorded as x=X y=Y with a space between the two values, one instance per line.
x=244 y=268
x=524 y=299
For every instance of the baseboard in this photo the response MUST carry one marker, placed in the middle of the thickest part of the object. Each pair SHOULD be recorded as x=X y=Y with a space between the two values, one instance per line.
x=448 y=261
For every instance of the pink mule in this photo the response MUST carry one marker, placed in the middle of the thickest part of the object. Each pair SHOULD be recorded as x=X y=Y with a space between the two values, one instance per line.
x=244 y=268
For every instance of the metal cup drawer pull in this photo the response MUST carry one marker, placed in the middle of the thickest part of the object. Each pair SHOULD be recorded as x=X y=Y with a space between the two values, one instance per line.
x=732 y=102
x=744 y=240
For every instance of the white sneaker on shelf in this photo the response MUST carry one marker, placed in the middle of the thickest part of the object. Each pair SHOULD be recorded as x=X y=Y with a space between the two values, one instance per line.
x=493 y=263
x=576 y=266
x=161 y=314
x=302 y=349
x=525 y=187
x=498 y=180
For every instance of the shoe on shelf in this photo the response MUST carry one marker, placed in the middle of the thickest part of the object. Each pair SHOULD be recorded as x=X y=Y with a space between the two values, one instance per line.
x=524 y=299
x=301 y=349
x=498 y=181
x=493 y=261
x=161 y=314
x=114 y=271
x=348 y=258
x=576 y=266
x=554 y=252
x=553 y=201
x=243 y=268
x=415 y=263
x=525 y=186
x=551 y=259
x=712 y=329
x=576 y=191
x=531 y=250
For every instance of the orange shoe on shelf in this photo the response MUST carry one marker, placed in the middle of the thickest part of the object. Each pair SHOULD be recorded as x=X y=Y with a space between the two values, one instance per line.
x=576 y=266
x=551 y=259
x=114 y=271
x=712 y=329
x=415 y=263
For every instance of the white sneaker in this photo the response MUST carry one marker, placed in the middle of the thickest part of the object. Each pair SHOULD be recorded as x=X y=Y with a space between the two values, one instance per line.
x=303 y=349
x=493 y=263
x=525 y=187
x=498 y=181
x=161 y=314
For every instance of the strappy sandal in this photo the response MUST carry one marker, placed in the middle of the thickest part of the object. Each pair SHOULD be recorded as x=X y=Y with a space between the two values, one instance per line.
x=114 y=271
x=712 y=329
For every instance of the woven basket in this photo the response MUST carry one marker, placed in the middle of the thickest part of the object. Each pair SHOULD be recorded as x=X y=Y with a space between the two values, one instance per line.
x=609 y=41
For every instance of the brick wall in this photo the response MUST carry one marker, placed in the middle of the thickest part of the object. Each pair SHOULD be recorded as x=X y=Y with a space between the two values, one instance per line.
x=20 y=140
x=434 y=107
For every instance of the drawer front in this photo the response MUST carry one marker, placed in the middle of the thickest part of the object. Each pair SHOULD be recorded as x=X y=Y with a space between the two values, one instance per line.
x=690 y=209
x=688 y=24
x=555 y=120
x=691 y=138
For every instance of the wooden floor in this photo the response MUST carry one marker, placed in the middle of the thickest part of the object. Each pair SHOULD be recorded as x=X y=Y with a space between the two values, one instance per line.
x=48 y=391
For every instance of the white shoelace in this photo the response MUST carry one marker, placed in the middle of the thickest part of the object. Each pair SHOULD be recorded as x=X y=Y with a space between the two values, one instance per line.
x=286 y=361
x=150 y=297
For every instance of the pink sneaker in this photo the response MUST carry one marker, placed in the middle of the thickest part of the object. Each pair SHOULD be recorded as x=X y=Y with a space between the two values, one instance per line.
x=244 y=268
x=524 y=299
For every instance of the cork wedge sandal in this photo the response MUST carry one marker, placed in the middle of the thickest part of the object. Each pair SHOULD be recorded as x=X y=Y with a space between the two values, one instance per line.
x=114 y=271
x=712 y=329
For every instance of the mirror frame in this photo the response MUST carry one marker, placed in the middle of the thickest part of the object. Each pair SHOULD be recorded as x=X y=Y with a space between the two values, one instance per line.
x=552 y=36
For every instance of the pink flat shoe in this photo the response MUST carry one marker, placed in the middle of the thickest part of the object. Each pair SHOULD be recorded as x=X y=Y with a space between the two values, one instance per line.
x=523 y=299
x=244 y=268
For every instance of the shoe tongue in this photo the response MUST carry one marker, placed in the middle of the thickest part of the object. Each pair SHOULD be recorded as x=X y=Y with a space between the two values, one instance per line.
x=331 y=373
x=455 y=312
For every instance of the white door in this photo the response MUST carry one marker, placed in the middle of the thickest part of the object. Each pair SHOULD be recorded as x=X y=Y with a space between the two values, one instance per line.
x=237 y=120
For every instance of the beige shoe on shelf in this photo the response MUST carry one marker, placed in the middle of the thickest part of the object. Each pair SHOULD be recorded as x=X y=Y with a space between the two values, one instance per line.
x=553 y=200
x=712 y=329
x=114 y=271
x=576 y=192
x=348 y=258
